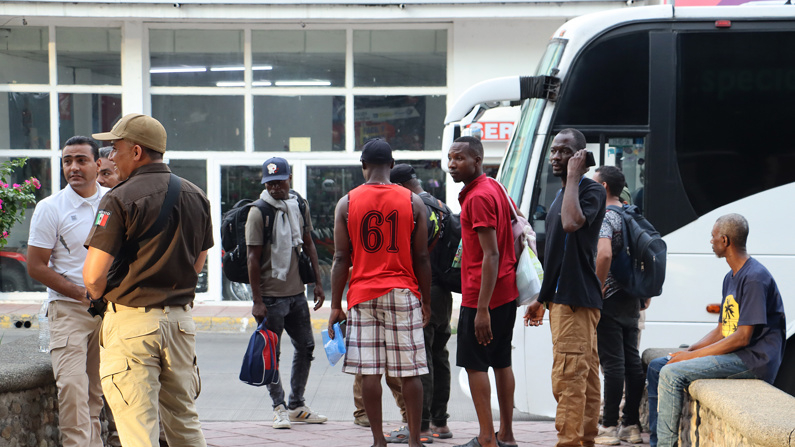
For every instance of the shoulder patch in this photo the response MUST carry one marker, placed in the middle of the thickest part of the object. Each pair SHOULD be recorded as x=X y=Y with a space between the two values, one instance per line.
x=102 y=218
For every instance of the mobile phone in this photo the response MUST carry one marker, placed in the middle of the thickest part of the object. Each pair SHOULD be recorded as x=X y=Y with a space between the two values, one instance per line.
x=589 y=160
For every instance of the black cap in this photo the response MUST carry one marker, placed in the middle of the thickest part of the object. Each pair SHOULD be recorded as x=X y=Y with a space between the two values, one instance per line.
x=402 y=173
x=377 y=151
x=275 y=168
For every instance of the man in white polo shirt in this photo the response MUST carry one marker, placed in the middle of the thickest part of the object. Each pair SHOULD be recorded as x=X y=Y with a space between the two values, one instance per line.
x=56 y=254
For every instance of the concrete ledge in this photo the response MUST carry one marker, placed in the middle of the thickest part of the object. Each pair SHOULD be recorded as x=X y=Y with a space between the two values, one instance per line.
x=23 y=367
x=763 y=414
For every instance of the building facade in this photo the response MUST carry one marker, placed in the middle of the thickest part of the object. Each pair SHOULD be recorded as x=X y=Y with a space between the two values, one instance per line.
x=236 y=82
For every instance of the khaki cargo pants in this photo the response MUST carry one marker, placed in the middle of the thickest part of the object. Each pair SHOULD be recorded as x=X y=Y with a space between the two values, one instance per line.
x=148 y=363
x=575 y=373
x=74 y=351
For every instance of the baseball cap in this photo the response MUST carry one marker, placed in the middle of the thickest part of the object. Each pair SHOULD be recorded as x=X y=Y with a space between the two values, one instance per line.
x=141 y=129
x=275 y=168
x=402 y=173
x=377 y=151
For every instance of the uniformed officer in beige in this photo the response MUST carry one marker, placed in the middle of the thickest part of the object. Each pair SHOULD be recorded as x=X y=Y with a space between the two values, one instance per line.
x=148 y=333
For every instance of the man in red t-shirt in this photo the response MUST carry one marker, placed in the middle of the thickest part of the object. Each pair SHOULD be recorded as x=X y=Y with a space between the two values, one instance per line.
x=488 y=289
x=375 y=232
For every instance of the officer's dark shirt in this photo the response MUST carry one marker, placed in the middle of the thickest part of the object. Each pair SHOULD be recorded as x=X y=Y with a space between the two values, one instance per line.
x=161 y=271
x=570 y=258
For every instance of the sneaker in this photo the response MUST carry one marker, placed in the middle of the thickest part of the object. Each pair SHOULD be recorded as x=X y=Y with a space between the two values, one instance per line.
x=280 y=417
x=607 y=436
x=630 y=434
x=305 y=414
x=362 y=421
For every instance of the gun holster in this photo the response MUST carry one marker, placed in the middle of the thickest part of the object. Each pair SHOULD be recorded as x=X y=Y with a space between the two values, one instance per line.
x=97 y=307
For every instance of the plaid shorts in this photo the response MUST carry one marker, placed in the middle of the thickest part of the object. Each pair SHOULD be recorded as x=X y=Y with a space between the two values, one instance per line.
x=385 y=335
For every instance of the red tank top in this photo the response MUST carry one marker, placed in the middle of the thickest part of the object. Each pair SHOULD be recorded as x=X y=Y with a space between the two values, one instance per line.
x=380 y=224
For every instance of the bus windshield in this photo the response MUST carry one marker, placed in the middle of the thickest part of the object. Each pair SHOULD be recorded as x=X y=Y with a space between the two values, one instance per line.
x=517 y=159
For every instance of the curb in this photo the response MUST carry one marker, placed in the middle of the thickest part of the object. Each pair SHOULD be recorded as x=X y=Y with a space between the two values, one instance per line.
x=203 y=324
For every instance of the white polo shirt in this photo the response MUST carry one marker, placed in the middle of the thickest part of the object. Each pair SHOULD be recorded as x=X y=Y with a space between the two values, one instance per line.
x=61 y=223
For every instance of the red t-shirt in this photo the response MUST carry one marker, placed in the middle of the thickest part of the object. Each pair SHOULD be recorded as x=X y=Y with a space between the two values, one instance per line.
x=484 y=205
x=380 y=224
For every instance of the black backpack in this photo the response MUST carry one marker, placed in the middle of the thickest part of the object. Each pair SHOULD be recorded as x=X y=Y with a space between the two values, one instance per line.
x=446 y=246
x=640 y=267
x=233 y=235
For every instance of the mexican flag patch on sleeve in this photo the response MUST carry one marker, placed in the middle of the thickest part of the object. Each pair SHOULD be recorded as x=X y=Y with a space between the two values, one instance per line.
x=102 y=218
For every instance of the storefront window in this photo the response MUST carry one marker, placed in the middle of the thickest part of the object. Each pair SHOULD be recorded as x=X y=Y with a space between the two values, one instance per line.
x=89 y=56
x=195 y=171
x=209 y=58
x=299 y=123
x=298 y=58
x=408 y=123
x=390 y=58
x=238 y=183
x=23 y=55
x=201 y=123
x=84 y=114
x=25 y=120
x=325 y=186
x=13 y=257
x=431 y=177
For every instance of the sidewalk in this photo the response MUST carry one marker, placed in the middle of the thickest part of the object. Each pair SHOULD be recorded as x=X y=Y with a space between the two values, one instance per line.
x=334 y=434
x=210 y=317
x=213 y=316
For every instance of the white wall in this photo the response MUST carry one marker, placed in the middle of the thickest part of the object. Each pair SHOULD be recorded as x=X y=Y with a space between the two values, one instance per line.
x=485 y=49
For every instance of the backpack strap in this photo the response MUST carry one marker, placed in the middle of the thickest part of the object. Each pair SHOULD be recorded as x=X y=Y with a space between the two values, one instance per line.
x=174 y=187
x=267 y=218
x=268 y=214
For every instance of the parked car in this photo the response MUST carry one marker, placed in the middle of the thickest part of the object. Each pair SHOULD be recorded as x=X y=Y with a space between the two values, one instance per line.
x=14 y=274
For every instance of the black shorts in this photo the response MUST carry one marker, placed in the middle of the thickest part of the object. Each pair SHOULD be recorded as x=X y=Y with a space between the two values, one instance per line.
x=497 y=354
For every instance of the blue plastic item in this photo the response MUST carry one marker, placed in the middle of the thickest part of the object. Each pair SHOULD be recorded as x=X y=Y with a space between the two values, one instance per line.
x=335 y=348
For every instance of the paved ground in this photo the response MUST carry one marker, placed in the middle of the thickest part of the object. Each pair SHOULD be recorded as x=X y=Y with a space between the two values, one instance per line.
x=333 y=434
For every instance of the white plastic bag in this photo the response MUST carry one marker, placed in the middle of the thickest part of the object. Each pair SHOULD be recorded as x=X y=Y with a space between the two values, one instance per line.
x=529 y=275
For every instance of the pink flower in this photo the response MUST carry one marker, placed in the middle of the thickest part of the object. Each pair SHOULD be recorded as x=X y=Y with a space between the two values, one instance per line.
x=27 y=181
x=17 y=185
x=5 y=234
x=36 y=183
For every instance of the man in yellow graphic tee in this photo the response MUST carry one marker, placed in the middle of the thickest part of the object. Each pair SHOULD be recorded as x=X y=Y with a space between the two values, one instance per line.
x=747 y=343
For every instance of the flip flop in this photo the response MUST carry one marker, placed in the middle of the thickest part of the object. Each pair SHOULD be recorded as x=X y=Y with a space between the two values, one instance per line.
x=472 y=443
x=503 y=444
x=440 y=435
x=401 y=436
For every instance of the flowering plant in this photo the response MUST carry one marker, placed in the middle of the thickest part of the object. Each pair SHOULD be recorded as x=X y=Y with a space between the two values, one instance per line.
x=14 y=198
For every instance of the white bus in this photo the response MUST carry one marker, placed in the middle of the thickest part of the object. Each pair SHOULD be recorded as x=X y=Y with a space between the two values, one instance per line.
x=697 y=107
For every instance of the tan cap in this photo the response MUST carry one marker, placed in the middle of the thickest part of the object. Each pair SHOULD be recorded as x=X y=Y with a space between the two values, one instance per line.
x=141 y=129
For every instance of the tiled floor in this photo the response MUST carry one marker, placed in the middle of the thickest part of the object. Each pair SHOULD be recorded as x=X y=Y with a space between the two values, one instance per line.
x=337 y=434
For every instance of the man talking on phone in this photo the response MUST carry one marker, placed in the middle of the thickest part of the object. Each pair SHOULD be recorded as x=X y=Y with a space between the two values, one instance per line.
x=572 y=291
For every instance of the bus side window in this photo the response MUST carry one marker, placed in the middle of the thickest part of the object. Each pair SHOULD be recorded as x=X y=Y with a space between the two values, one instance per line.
x=629 y=155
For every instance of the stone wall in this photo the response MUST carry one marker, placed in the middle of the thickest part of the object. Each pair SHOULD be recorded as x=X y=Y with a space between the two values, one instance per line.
x=28 y=396
x=703 y=427
x=29 y=418
x=737 y=413
x=731 y=413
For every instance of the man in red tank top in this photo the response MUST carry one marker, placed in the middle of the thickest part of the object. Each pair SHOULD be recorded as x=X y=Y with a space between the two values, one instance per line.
x=389 y=292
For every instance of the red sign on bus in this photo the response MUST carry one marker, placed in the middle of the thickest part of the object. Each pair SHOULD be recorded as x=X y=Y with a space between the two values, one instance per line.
x=493 y=130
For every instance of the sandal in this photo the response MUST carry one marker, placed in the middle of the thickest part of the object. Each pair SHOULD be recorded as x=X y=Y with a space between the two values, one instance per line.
x=401 y=436
x=501 y=443
x=472 y=443
x=440 y=435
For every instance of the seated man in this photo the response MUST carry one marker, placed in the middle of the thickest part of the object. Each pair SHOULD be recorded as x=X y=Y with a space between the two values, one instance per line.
x=748 y=342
